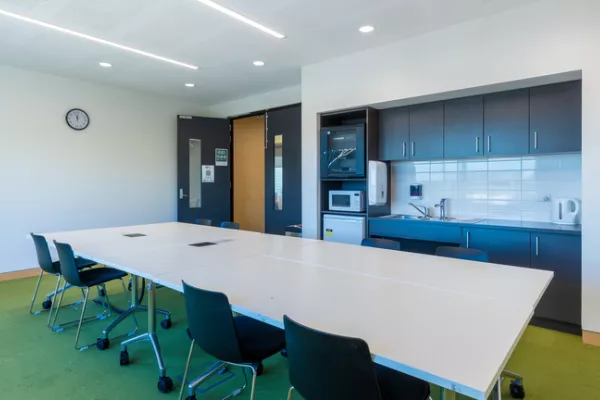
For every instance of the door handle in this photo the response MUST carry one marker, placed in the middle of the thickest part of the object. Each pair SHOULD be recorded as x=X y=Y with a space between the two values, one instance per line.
x=413 y=148
x=489 y=150
x=476 y=144
x=181 y=195
x=537 y=246
x=535 y=140
x=468 y=239
x=403 y=149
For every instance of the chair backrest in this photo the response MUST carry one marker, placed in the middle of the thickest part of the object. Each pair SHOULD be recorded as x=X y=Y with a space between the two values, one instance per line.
x=327 y=366
x=203 y=221
x=210 y=323
x=381 y=243
x=43 y=254
x=68 y=265
x=230 y=225
x=462 y=253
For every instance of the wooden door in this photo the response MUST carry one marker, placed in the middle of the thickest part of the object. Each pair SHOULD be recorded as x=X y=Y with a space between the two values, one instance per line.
x=249 y=173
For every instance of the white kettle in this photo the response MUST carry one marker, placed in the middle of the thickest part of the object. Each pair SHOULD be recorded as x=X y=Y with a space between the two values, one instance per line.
x=565 y=211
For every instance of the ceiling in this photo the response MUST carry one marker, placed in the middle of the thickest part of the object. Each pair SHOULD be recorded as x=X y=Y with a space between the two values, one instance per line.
x=223 y=48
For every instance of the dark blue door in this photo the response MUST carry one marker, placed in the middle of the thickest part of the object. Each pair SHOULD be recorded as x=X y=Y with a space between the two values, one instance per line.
x=501 y=246
x=283 y=169
x=506 y=123
x=463 y=127
x=426 y=131
x=203 y=144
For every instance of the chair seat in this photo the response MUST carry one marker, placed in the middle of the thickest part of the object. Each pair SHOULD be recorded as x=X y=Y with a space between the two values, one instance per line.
x=396 y=385
x=81 y=263
x=98 y=276
x=258 y=340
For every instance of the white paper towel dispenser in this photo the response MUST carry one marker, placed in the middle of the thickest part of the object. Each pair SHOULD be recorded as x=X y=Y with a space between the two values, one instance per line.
x=377 y=183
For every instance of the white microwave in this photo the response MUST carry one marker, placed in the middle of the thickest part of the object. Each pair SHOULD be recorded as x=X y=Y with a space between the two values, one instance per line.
x=347 y=200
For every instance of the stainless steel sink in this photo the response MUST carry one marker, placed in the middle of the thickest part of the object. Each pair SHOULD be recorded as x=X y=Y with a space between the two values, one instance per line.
x=422 y=218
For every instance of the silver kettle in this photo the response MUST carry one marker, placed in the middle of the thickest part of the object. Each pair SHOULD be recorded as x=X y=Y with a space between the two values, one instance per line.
x=565 y=211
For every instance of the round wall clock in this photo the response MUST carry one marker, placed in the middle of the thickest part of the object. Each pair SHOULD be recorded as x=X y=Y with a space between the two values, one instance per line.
x=77 y=119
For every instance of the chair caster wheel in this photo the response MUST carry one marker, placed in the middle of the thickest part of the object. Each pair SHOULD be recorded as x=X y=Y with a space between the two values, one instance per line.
x=517 y=391
x=165 y=384
x=47 y=304
x=124 y=357
x=102 y=293
x=166 y=323
x=259 y=368
x=284 y=353
x=102 y=344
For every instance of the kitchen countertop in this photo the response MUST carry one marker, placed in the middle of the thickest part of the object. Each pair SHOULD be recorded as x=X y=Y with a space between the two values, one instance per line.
x=505 y=224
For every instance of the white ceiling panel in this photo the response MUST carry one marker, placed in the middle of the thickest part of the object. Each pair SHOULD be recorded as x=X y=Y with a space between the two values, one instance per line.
x=223 y=48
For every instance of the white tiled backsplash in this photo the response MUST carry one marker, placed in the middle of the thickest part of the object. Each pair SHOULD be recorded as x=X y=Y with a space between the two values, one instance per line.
x=499 y=188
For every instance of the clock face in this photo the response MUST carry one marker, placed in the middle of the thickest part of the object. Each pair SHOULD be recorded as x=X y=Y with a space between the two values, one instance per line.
x=78 y=119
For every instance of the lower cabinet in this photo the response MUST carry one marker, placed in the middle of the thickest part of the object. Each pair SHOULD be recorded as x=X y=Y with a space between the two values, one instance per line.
x=562 y=255
x=501 y=246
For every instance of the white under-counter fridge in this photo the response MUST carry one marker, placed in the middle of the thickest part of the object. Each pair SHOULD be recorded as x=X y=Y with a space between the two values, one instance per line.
x=344 y=229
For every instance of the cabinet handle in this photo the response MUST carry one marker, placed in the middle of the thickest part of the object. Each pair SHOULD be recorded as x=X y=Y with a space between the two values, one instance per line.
x=489 y=144
x=403 y=149
x=537 y=246
x=468 y=239
x=535 y=140
x=413 y=148
x=476 y=144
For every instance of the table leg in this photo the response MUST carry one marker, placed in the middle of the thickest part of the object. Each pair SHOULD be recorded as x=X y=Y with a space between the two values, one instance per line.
x=447 y=394
x=165 y=384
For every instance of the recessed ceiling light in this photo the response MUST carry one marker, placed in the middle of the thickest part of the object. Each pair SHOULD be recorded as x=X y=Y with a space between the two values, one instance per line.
x=105 y=64
x=240 y=17
x=366 y=29
x=259 y=63
x=94 y=39
x=190 y=84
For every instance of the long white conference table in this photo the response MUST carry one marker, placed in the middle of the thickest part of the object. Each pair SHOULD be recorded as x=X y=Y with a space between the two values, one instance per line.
x=453 y=323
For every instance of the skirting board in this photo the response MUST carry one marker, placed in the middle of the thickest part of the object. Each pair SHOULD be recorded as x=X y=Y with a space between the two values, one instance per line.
x=592 y=338
x=26 y=273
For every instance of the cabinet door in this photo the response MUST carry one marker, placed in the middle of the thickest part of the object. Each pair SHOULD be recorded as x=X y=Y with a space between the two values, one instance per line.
x=506 y=123
x=501 y=246
x=463 y=127
x=555 y=112
x=562 y=255
x=394 y=134
x=427 y=131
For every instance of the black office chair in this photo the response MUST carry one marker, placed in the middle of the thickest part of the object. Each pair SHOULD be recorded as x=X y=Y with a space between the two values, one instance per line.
x=462 y=253
x=381 y=243
x=50 y=267
x=203 y=221
x=332 y=367
x=230 y=225
x=239 y=341
x=83 y=279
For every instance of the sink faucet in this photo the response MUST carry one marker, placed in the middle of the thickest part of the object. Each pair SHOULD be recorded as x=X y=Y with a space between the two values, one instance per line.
x=442 y=207
x=422 y=209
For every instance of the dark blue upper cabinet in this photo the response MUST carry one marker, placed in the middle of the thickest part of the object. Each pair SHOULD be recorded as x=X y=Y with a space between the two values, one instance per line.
x=555 y=118
x=506 y=123
x=562 y=255
x=426 y=131
x=463 y=127
x=394 y=134
x=501 y=246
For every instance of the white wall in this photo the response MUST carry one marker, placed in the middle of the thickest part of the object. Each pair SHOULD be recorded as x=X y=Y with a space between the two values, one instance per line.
x=509 y=188
x=546 y=37
x=263 y=101
x=119 y=171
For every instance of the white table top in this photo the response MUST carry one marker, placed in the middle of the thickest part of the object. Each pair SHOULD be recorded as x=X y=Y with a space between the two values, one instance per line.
x=451 y=322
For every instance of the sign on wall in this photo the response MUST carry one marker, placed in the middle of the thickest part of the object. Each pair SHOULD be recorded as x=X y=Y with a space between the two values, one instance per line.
x=221 y=157
x=208 y=174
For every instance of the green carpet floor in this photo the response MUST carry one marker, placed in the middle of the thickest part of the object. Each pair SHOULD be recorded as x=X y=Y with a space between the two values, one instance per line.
x=38 y=364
